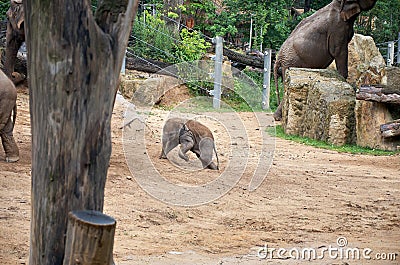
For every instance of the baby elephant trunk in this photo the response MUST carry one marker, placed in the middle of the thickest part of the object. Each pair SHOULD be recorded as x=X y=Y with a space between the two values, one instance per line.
x=207 y=148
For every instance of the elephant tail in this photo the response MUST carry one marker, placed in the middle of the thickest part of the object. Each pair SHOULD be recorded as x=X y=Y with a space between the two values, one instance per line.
x=276 y=67
x=216 y=154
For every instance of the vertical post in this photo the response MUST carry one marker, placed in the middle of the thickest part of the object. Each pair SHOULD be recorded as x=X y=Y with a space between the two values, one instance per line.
x=218 y=71
x=89 y=238
x=251 y=31
x=267 y=79
x=261 y=37
x=390 y=53
x=398 y=50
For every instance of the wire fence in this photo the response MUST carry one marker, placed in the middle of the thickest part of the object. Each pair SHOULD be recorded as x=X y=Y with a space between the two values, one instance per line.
x=390 y=51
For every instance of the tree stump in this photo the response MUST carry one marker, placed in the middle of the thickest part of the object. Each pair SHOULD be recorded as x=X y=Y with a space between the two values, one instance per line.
x=90 y=239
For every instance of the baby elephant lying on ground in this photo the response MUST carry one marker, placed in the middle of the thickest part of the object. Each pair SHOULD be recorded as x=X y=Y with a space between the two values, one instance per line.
x=191 y=135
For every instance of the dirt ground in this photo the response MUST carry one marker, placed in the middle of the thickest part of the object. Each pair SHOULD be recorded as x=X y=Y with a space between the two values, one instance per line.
x=310 y=198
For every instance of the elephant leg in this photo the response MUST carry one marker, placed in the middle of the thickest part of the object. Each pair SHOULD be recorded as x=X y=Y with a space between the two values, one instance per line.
x=9 y=144
x=167 y=146
x=278 y=112
x=14 y=42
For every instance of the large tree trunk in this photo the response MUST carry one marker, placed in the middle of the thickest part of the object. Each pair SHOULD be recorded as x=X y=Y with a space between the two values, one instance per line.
x=74 y=60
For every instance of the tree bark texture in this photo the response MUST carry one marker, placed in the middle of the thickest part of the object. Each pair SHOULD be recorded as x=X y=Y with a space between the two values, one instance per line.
x=390 y=129
x=74 y=61
x=90 y=238
x=378 y=94
x=244 y=59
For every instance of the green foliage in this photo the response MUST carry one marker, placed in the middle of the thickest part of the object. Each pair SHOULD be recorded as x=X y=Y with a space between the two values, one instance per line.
x=353 y=149
x=271 y=21
x=4 y=6
x=152 y=38
x=382 y=22
x=191 y=47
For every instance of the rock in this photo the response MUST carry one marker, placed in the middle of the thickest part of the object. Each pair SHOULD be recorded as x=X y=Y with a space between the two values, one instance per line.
x=319 y=104
x=366 y=64
x=393 y=77
x=146 y=91
x=369 y=117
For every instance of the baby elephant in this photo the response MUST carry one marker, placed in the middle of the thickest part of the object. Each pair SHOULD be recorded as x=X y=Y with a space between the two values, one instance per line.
x=193 y=136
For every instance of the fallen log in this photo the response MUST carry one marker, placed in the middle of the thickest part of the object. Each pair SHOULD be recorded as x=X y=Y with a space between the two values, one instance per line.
x=390 y=129
x=146 y=65
x=249 y=60
x=378 y=94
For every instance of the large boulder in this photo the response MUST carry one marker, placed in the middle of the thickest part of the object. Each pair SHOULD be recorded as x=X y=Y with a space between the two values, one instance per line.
x=145 y=89
x=319 y=104
x=366 y=64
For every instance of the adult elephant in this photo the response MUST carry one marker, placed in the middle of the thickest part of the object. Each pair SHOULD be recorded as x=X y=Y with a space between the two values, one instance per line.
x=15 y=35
x=8 y=112
x=319 y=39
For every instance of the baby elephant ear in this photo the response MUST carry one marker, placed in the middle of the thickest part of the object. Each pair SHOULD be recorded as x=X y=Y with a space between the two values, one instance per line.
x=349 y=8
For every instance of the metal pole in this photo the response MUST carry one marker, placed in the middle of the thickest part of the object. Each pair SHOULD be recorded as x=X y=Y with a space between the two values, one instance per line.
x=267 y=79
x=251 y=32
x=218 y=71
x=261 y=37
x=398 y=50
x=390 y=58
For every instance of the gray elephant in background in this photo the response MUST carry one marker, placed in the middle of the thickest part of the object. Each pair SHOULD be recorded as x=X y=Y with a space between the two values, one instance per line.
x=192 y=136
x=8 y=113
x=319 y=39
x=15 y=35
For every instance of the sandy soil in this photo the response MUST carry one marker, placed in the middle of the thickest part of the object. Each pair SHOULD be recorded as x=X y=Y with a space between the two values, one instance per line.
x=309 y=199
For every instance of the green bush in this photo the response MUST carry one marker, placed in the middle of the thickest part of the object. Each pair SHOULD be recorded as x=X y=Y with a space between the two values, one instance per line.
x=151 y=38
x=4 y=6
x=192 y=46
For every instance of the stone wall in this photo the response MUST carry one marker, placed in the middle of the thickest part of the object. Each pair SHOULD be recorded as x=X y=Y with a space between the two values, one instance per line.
x=319 y=104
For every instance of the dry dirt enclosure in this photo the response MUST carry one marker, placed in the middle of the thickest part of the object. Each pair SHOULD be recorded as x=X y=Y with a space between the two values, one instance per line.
x=309 y=199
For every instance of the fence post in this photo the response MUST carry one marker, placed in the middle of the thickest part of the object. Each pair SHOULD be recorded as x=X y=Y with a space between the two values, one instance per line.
x=390 y=58
x=267 y=79
x=89 y=238
x=251 y=32
x=398 y=50
x=218 y=71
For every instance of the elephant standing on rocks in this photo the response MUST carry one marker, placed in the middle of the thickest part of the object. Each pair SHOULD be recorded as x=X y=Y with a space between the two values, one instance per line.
x=8 y=112
x=319 y=39
x=15 y=35
x=192 y=136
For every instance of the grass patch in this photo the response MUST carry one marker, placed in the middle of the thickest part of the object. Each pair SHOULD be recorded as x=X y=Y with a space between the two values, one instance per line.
x=352 y=149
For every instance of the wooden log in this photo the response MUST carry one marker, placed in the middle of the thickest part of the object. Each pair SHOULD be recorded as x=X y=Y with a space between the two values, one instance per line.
x=90 y=238
x=378 y=94
x=390 y=129
x=146 y=65
x=249 y=60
